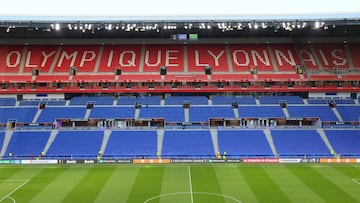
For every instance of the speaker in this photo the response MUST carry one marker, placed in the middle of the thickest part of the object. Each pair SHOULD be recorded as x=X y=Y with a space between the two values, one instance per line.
x=332 y=104
x=235 y=105
x=42 y=105
x=35 y=72
x=353 y=95
x=163 y=70
x=283 y=105
x=90 y=105
x=208 y=70
x=137 y=106
x=58 y=85
x=19 y=97
x=117 y=71
x=73 y=70
x=186 y=105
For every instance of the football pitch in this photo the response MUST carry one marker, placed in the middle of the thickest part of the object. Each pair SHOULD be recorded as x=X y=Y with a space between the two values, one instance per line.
x=206 y=183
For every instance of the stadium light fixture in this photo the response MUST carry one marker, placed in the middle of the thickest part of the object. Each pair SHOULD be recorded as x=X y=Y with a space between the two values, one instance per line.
x=57 y=26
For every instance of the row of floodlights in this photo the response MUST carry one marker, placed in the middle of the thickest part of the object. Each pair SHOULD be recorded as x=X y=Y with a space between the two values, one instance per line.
x=224 y=26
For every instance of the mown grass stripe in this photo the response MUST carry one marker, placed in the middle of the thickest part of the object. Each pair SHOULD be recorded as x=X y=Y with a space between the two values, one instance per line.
x=264 y=187
x=204 y=179
x=343 y=178
x=327 y=190
x=175 y=180
x=37 y=183
x=290 y=184
x=57 y=190
x=147 y=184
x=90 y=185
x=233 y=183
x=6 y=173
x=119 y=185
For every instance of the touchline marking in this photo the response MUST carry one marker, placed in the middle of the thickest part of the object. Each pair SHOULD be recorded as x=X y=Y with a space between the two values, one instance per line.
x=14 y=190
x=191 y=193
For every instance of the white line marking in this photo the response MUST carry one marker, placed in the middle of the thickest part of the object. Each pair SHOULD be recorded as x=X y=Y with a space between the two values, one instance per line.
x=191 y=191
x=356 y=180
x=14 y=190
x=11 y=199
x=184 y=193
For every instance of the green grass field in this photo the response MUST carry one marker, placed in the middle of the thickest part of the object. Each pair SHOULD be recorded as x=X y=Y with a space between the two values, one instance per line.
x=206 y=183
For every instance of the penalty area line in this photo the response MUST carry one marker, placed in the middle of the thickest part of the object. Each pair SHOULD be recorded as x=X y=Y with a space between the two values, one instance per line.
x=14 y=190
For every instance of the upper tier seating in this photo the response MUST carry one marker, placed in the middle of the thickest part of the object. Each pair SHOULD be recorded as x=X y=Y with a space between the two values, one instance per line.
x=187 y=144
x=323 y=112
x=222 y=100
x=27 y=144
x=201 y=114
x=124 y=144
x=127 y=100
x=299 y=143
x=73 y=144
x=171 y=114
x=243 y=143
x=21 y=115
x=180 y=100
x=345 y=142
x=7 y=101
x=278 y=99
x=112 y=112
x=100 y=100
x=260 y=112
x=349 y=113
x=49 y=114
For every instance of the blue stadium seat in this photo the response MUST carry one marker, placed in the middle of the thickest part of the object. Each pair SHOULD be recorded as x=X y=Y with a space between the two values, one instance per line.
x=180 y=100
x=260 y=112
x=49 y=114
x=171 y=114
x=277 y=99
x=76 y=144
x=202 y=114
x=349 y=113
x=187 y=144
x=299 y=143
x=130 y=144
x=323 y=112
x=27 y=144
x=112 y=112
x=7 y=101
x=244 y=143
x=99 y=100
x=21 y=115
x=345 y=142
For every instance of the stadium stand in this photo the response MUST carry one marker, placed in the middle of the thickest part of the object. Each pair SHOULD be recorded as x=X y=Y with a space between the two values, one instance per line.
x=201 y=114
x=132 y=143
x=180 y=100
x=191 y=144
x=345 y=142
x=171 y=114
x=261 y=111
x=27 y=144
x=7 y=101
x=21 y=115
x=278 y=99
x=98 y=100
x=49 y=114
x=323 y=112
x=112 y=112
x=76 y=144
x=349 y=113
x=299 y=143
x=244 y=143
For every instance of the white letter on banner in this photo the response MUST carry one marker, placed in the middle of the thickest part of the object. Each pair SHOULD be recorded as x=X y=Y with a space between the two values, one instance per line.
x=17 y=61
x=147 y=53
x=65 y=55
x=130 y=63
x=246 y=56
